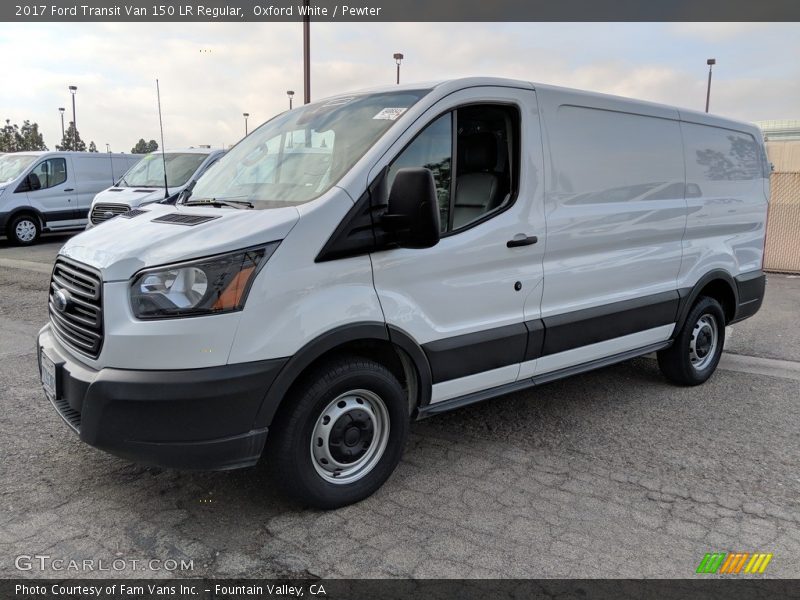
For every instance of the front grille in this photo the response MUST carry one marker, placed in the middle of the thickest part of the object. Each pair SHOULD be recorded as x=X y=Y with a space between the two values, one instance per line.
x=104 y=212
x=80 y=323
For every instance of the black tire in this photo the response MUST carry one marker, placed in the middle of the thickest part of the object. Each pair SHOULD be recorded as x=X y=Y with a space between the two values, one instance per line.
x=289 y=449
x=682 y=364
x=24 y=230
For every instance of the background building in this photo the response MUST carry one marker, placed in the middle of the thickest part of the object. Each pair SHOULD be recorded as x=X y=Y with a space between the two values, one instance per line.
x=783 y=227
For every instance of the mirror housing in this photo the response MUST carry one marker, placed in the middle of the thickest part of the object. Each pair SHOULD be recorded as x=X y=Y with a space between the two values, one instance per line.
x=413 y=209
x=31 y=183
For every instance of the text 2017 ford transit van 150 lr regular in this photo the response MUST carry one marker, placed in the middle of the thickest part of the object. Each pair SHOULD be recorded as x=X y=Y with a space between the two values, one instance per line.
x=388 y=255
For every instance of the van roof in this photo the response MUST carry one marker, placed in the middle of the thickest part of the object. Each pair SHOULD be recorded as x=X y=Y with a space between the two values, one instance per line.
x=444 y=87
x=190 y=150
x=66 y=152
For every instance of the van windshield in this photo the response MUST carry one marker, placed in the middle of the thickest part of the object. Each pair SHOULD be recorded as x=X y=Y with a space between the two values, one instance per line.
x=302 y=153
x=12 y=166
x=149 y=172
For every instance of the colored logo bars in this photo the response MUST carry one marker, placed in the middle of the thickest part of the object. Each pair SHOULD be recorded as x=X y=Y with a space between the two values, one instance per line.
x=734 y=562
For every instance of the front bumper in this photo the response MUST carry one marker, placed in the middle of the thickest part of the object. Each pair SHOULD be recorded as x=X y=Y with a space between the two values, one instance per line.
x=186 y=419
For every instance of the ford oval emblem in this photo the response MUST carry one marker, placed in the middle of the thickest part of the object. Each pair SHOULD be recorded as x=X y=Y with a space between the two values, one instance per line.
x=108 y=215
x=61 y=300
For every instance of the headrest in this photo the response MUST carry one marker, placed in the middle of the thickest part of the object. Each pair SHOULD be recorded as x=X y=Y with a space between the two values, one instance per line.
x=480 y=152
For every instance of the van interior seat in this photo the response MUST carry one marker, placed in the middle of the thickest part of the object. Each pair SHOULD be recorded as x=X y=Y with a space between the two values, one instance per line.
x=477 y=186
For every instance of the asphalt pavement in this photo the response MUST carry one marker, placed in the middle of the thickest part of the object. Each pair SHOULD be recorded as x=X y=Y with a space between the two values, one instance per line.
x=614 y=473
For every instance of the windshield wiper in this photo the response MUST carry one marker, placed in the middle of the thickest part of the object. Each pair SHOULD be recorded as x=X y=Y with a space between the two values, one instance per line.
x=217 y=202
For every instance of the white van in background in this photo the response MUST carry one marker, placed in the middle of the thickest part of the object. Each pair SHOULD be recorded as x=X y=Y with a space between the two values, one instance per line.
x=144 y=182
x=433 y=246
x=52 y=191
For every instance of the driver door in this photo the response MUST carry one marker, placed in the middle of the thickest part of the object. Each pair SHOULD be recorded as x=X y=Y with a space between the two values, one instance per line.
x=468 y=300
x=55 y=199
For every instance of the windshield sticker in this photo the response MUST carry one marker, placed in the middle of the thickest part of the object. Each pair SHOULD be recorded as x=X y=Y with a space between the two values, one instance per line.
x=390 y=114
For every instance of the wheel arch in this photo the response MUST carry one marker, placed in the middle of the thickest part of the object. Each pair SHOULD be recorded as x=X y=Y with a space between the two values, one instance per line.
x=390 y=346
x=717 y=284
x=21 y=210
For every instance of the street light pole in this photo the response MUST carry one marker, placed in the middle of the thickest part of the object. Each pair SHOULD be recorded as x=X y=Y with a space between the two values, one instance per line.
x=245 y=115
x=306 y=54
x=398 y=57
x=61 y=109
x=290 y=93
x=72 y=90
x=710 y=62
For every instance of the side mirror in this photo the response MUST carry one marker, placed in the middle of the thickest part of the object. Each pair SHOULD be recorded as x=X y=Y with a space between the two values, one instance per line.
x=413 y=209
x=30 y=184
x=33 y=182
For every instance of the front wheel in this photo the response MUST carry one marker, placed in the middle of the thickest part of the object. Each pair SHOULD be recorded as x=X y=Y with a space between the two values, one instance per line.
x=695 y=353
x=24 y=230
x=341 y=433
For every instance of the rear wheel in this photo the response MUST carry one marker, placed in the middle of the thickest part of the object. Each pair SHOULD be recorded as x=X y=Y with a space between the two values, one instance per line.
x=341 y=434
x=695 y=353
x=24 y=230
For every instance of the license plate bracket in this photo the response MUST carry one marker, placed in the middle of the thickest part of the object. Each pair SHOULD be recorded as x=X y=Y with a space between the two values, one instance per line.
x=49 y=376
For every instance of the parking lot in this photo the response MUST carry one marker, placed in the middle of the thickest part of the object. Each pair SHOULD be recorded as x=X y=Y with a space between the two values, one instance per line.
x=614 y=473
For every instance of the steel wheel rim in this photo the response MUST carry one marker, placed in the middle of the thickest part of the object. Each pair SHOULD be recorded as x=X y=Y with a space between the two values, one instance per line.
x=25 y=230
x=704 y=341
x=334 y=436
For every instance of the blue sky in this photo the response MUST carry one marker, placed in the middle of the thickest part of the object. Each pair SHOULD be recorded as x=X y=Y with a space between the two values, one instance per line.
x=212 y=72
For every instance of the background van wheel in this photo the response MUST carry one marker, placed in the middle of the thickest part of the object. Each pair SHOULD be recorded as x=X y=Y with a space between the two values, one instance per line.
x=696 y=351
x=24 y=230
x=340 y=434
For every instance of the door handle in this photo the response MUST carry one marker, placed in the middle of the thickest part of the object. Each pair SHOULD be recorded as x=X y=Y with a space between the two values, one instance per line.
x=69 y=190
x=522 y=240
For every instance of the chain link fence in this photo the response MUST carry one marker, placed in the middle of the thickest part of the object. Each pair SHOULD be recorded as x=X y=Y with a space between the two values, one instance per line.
x=783 y=226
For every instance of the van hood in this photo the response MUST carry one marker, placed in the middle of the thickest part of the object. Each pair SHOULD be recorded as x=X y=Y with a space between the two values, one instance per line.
x=122 y=246
x=133 y=196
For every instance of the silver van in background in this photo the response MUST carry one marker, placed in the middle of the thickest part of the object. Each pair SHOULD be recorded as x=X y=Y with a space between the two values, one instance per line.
x=144 y=183
x=52 y=191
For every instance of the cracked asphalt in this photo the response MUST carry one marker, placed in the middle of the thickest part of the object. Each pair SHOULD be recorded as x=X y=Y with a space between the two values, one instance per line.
x=614 y=473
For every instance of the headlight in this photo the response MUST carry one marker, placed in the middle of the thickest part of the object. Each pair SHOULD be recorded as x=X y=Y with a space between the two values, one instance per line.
x=207 y=286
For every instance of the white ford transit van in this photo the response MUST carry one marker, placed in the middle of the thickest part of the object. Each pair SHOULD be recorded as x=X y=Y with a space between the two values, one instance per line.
x=144 y=182
x=52 y=191
x=388 y=255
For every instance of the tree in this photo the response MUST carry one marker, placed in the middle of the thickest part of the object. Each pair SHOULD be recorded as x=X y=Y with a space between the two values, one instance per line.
x=31 y=138
x=72 y=140
x=92 y=147
x=143 y=147
x=9 y=137
x=18 y=139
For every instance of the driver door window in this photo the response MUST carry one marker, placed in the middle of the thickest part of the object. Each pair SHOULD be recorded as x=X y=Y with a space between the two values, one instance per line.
x=484 y=141
x=51 y=172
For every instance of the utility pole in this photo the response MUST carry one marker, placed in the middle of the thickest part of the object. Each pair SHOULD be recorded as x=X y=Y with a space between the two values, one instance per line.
x=710 y=62
x=72 y=90
x=398 y=57
x=61 y=109
x=306 y=54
